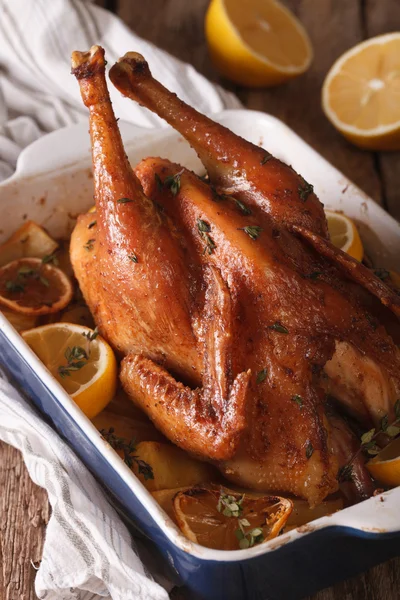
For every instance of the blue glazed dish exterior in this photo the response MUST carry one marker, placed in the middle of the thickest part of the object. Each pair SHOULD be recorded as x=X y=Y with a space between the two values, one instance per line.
x=291 y=571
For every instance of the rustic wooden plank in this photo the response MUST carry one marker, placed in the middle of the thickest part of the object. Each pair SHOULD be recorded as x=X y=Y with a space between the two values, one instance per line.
x=382 y=16
x=24 y=513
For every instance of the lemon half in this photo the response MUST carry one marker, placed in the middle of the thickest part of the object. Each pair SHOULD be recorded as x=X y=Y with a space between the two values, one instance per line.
x=89 y=375
x=256 y=43
x=361 y=93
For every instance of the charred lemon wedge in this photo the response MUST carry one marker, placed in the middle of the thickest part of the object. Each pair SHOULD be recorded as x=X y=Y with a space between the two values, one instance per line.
x=223 y=519
x=33 y=287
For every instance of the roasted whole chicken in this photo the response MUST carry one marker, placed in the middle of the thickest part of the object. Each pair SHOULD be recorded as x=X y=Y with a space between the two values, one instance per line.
x=235 y=317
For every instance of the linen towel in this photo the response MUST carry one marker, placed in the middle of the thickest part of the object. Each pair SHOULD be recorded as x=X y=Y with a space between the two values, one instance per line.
x=88 y=552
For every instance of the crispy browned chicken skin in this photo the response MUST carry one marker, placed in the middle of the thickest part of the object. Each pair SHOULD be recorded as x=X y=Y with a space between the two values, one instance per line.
x=227 y=300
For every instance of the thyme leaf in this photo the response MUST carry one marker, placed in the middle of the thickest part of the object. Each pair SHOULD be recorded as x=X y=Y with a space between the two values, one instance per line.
x=261 y=376
x=129 y=452
x=278 y=327
x=305 y=189
x=245 y=210
x=91 y=335
x=89 y=244
x=253 y=231
x=76 y=358
x=92 y=224
x=266 y=158
x=50 y=258
x=298 y=399
x=229 y=505
x=173 y=182
x=204 y=229
x=368 y=439
x=124 y=201
x=133 y=258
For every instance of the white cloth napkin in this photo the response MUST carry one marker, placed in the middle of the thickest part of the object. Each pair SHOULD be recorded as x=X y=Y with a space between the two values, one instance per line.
x=88 y=552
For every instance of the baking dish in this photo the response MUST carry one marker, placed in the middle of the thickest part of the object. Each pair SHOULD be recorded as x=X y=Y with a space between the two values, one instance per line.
x=52 y=184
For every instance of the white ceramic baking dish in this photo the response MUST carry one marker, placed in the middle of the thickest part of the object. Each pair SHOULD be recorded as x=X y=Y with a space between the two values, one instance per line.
x=52 y=185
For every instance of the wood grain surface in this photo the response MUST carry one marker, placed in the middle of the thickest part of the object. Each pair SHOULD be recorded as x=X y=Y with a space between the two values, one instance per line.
x=177 y=26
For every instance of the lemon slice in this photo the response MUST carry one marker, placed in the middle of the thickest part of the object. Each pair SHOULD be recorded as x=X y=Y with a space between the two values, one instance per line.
x=361 y=93
x=80 y=360
x=385 y=466
x=344 y=234
x=208 y=516
x=256 y=43
x=32 y=287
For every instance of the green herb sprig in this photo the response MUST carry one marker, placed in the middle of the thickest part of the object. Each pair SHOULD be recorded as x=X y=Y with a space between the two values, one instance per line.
x=89 y=244
x=76 y=358
x=261 y=375
x=173 y=182
x=50 y=258
x=230 y=506
x=278 y=327
x=24 y=273
x=204 y=231
x=253 y=231
x=298 y=399
x=305 y=189
x=91 y=335
x=244 y=209
x=265 y=159
x=368 y=441
x=129 y=451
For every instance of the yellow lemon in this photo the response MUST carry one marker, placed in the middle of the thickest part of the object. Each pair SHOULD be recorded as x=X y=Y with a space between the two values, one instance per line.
x=80 y=360
x=361 y=92
x=256 y=43
x=227 y=520
x=344 y=234
x=385 y=467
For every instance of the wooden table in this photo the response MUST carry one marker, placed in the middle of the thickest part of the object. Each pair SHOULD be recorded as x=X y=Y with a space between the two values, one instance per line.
x=177 y=26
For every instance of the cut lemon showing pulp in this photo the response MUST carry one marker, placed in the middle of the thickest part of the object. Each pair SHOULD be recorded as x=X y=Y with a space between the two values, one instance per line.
x=32 y=287
x=385 y=467
x=226 y=520
x=361 y=93
x=80 y=360
x=344 y=234
x=256 y=43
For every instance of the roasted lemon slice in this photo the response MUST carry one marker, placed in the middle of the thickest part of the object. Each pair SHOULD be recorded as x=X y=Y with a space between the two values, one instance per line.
x=80 y=360
x=361 y=92
x=344 y=234
x=385 y=467
x=256 y=43
x=32 y=287
x=222 y=519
